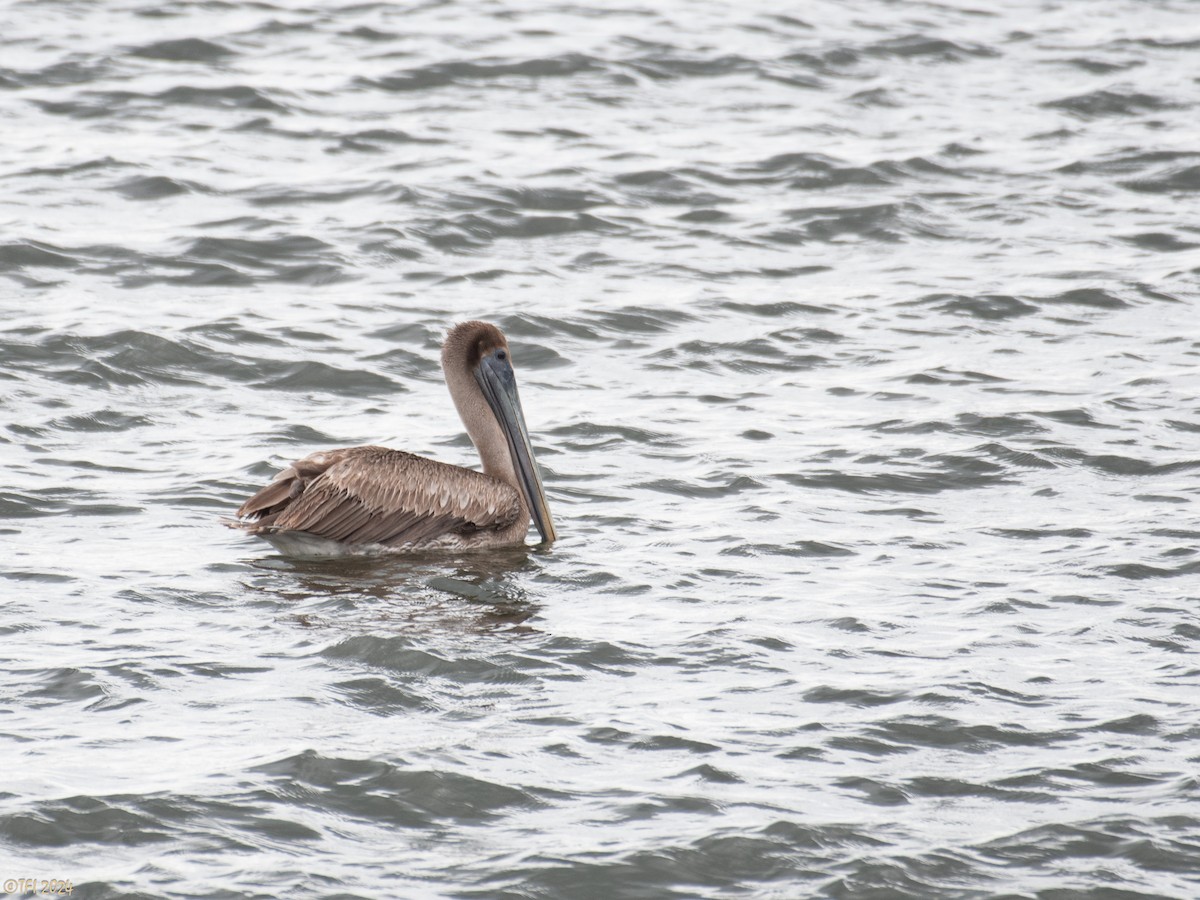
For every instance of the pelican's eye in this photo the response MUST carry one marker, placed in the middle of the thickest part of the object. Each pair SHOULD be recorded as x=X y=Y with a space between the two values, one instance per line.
x=501 y=354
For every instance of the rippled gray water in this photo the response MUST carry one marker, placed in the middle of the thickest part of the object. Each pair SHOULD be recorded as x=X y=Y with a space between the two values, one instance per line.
x=859 y=345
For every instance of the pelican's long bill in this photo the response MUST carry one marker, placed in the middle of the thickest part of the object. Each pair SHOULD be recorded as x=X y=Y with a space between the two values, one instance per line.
x=495 y=376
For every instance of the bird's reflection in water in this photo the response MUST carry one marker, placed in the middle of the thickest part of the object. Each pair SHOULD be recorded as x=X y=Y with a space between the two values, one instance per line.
x=481 y=590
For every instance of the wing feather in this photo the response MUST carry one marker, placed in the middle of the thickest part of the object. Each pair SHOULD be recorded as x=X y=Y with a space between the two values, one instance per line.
x=373 y=495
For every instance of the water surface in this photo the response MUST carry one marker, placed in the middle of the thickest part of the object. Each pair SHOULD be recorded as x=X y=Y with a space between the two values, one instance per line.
x=857 y=342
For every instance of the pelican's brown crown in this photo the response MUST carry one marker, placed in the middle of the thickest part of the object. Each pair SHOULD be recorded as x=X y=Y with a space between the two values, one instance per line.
x=472 y=341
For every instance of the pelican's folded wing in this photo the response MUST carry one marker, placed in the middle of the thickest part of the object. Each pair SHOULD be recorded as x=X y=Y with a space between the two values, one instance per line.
x=373 y=495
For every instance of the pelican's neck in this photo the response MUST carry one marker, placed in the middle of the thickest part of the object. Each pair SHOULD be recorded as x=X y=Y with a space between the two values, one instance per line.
x=479 y=420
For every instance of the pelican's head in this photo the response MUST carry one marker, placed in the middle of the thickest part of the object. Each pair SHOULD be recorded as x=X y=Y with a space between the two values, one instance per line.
x=480 y=350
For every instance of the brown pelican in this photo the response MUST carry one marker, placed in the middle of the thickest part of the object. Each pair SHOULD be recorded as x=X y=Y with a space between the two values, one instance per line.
x=376 y=500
